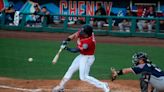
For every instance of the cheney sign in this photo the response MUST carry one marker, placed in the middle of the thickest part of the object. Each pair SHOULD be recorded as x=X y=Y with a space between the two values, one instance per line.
x=82 y=7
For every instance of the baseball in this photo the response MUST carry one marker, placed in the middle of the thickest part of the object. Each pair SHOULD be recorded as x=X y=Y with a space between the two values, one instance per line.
x=30 y=59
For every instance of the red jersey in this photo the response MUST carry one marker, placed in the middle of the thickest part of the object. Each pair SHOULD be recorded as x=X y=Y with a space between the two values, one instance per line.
x=90 y=42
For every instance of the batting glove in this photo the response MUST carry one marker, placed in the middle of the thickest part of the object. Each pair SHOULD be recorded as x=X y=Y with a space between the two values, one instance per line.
x=64 y=42
x=63 y=46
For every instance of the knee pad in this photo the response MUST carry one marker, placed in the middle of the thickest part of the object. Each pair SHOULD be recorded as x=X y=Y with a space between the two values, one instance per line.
x=143 y=85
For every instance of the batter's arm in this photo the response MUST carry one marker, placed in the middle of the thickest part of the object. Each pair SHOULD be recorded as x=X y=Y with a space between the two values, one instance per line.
x=73 y=50
x=74 y=35
x=69 y=38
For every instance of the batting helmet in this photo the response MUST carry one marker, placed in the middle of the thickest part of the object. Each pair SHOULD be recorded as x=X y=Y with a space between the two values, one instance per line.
x=86 y=29
x=140 y=55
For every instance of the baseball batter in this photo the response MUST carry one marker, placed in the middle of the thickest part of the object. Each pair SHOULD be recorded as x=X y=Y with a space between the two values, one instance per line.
x=86 y=46
x=142 y=65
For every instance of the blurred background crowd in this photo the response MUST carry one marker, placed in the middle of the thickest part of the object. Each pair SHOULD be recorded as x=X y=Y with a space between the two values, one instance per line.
x=38 y=10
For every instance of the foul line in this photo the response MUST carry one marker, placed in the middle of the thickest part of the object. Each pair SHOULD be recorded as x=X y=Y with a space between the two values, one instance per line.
x=20 y=89
x=38 y=90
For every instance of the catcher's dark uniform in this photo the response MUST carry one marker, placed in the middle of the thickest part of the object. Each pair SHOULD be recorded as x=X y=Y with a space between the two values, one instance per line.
x=150 y=74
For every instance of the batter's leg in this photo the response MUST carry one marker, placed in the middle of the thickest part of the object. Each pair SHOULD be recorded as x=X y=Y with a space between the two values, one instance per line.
x=72 y=69
x=85 y=64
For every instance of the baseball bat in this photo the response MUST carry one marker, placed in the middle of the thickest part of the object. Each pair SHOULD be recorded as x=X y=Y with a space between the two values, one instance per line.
x=57 y=56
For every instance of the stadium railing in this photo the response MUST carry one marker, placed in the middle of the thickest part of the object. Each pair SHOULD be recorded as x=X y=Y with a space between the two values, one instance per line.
x=64 y=25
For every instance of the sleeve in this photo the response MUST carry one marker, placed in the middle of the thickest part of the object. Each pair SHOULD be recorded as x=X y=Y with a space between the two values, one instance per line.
x=137 y=70
x=73 y=50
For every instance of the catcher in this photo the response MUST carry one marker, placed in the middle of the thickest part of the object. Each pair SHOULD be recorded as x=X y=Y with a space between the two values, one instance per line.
x=151 y=74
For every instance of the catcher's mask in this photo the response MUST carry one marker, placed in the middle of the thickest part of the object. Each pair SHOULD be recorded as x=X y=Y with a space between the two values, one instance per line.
x=138 y=56
x=86 y=30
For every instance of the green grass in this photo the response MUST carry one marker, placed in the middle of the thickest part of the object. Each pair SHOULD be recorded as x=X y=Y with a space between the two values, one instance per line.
x=14 y=54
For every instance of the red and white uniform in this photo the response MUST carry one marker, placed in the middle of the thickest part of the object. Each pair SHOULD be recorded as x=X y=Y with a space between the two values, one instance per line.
x=90 y=42
x=84 y=61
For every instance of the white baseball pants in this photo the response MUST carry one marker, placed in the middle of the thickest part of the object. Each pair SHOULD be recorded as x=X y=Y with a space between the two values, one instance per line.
x=83 y=64
x=157 y=83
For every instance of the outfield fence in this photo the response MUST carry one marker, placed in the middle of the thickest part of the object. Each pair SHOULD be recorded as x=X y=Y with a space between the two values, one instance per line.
x=62 y=23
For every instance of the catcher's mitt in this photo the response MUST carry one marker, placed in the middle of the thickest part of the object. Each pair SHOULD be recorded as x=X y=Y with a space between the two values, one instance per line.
x=114 y=73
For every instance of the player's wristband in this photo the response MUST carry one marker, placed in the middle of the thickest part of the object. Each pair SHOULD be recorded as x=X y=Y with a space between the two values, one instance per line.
x=65 y=42
x=120 y=72
x=68 y=39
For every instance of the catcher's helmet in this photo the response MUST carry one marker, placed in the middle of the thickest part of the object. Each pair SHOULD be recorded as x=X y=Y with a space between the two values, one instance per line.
x=86 y=29
x=140 y=55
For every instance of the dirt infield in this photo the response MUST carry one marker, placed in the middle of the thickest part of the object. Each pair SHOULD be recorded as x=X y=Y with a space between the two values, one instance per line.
x=100 y=39
x=17 y=85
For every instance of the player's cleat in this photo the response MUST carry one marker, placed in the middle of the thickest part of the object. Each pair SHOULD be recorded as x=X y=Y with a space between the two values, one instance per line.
x=106 y=87
x=58 y=89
